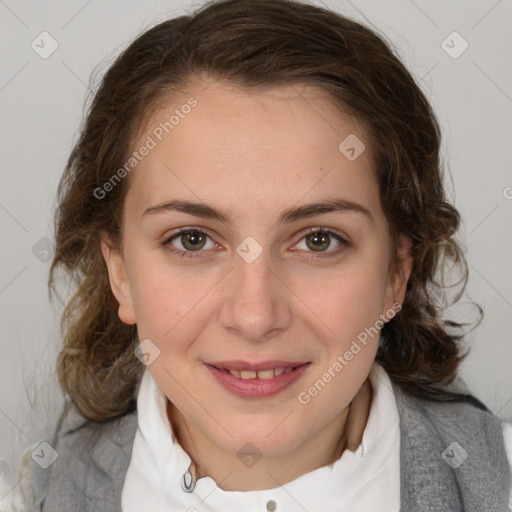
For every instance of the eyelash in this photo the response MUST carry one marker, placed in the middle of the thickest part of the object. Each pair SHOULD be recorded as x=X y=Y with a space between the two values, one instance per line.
x=193 y=254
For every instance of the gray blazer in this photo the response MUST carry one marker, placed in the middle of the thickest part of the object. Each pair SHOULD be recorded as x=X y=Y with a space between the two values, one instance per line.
x=92 y=462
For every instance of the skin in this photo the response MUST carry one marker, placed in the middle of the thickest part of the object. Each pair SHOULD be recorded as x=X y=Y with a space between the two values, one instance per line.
x=254 y=155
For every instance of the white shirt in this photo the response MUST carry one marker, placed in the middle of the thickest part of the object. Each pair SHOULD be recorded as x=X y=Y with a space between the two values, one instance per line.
x=363 y=480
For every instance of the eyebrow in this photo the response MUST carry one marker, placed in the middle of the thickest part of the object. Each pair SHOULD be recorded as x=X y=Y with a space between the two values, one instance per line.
x=290 y=215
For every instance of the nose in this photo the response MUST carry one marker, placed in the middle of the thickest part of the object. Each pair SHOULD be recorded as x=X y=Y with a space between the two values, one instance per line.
x=256 y=302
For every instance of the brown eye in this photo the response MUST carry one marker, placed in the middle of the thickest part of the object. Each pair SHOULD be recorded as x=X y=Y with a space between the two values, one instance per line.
x=320 y=240
x=188 y=241
x=193 y=240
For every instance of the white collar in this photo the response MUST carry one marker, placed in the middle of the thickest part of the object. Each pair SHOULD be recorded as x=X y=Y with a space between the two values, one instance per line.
x=363 y=480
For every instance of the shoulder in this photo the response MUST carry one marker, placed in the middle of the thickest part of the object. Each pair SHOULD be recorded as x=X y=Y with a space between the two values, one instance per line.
x=466 y=414
x=456 y=444
x=84 y=463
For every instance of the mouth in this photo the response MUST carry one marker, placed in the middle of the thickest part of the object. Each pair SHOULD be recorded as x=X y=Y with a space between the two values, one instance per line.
x=257 y=383
x=265 y=370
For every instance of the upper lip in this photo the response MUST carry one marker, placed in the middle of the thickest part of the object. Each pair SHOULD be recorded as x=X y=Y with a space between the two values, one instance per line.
x=262 y=365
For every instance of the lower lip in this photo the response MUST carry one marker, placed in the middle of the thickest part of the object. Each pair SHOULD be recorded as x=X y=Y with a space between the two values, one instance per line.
x=256 y=388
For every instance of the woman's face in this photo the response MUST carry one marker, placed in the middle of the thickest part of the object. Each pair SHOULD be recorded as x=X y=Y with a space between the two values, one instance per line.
x=256 y=286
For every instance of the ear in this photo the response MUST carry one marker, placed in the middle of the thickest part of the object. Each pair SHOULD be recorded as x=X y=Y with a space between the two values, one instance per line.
x=118 y=278
x=399 y=273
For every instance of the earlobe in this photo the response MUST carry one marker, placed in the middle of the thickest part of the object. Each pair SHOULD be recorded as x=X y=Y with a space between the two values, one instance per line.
x=118 y=279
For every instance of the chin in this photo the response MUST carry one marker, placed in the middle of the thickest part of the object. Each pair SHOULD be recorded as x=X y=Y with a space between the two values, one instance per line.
x=265 y=442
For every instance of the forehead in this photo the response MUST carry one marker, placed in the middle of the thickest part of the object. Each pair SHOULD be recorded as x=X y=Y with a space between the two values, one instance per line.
x=235 y=147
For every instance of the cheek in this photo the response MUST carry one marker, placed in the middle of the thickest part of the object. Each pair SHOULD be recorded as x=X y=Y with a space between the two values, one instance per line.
x=349 y=300
x=350 y=306
x=163 y=298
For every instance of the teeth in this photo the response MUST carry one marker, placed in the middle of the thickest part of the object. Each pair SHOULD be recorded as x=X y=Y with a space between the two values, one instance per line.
x=266 y=374
x=247 y=374
x=262 y=375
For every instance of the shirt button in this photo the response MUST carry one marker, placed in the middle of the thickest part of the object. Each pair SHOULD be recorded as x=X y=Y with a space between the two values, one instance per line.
x=271 y=506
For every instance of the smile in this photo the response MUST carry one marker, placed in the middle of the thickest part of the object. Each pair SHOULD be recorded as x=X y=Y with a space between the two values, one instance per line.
x=262 y=374
x=257 y=383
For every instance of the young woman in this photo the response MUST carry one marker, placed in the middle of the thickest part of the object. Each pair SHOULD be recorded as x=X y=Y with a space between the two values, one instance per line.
x=255 y=221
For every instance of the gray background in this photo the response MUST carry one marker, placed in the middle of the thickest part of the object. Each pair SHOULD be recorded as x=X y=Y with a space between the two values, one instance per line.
x=42 y=102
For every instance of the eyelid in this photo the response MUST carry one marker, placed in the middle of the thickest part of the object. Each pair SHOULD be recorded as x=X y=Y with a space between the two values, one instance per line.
x=322 y=229
x=342 y=239
x=169 y=238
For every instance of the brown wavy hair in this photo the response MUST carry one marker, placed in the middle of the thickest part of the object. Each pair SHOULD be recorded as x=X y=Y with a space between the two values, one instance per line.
x=257 y=45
